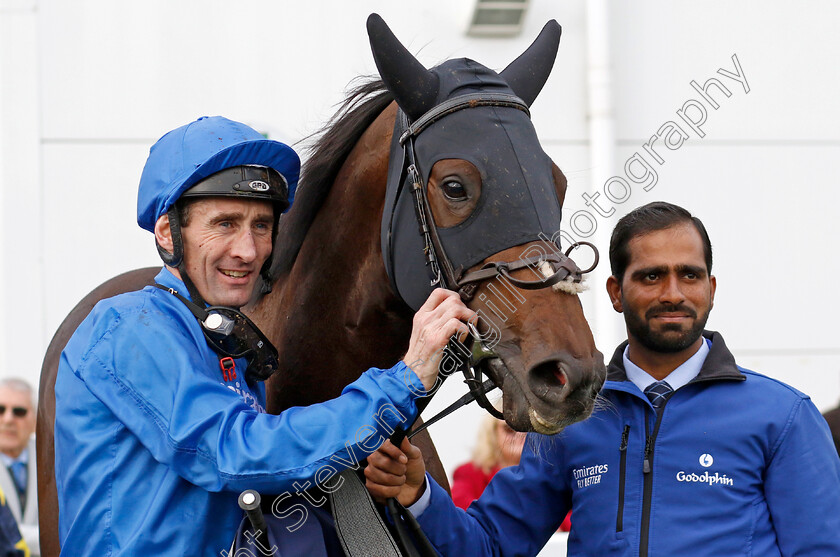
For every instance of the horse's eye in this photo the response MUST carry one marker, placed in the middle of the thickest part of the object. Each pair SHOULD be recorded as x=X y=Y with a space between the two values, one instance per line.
x=454 y=190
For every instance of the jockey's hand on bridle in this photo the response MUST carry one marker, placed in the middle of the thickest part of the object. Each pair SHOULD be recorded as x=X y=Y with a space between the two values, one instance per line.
x=439 y=318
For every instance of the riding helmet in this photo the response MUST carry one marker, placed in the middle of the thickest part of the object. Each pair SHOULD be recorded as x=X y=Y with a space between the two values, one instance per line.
x=188 y=155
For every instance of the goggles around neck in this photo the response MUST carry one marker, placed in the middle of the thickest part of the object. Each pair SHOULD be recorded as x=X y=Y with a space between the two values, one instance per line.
x=230 y=333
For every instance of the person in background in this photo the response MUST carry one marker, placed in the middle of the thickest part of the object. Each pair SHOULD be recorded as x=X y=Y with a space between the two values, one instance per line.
x=12 y=543
x=497 y=446
x=18 y=475
x=689 y=454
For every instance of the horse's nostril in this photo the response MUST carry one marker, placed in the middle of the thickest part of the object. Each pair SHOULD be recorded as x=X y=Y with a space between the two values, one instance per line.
x=561 y=377
x=550 y=373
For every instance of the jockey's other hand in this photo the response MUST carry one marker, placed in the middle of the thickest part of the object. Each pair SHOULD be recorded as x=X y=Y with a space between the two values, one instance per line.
x=396 y=472
x=440 y=317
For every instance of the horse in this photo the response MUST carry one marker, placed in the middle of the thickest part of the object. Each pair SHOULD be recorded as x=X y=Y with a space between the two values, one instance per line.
x=350 y=267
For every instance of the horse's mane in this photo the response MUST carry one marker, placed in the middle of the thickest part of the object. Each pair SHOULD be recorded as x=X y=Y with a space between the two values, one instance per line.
x=328 y=149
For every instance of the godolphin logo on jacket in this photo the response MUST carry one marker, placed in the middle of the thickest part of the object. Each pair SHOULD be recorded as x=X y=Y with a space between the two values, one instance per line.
x=705 y=460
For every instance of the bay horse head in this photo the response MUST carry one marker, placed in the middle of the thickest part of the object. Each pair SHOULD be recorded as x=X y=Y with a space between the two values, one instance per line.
x=467 y=168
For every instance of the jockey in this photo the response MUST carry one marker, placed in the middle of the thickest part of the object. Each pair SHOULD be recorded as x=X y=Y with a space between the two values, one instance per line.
x=160 y=419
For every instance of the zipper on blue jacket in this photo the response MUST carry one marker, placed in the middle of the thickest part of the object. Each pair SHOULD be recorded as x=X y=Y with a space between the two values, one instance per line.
x=622 y=469
x=648 y=453
x=650 y=441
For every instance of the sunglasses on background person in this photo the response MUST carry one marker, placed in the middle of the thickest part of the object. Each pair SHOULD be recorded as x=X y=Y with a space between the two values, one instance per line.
x=17 y=411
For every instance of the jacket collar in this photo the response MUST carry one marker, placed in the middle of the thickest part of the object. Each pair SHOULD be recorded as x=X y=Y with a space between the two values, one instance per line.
x=719 y=364
x=167 y=279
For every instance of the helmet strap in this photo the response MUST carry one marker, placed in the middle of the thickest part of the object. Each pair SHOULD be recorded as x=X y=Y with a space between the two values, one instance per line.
x=194 y=295
x=265 y=278
x=176 y=258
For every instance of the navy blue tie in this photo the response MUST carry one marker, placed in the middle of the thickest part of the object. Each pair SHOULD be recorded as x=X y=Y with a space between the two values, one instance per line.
x=658 y=392
x=19 y=472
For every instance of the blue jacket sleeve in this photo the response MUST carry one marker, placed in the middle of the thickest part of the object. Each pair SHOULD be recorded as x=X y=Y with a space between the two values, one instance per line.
x=516 y=515
x=205 y=432
x=802 y=486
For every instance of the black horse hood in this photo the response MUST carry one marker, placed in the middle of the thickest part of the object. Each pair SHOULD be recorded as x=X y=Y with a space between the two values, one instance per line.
x=518 y=198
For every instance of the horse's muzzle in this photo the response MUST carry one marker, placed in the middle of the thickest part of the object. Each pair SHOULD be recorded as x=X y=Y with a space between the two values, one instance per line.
x=565 y=389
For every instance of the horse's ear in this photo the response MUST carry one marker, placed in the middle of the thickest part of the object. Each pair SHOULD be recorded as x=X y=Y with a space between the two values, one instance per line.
x=527 y=74
x=414 y=87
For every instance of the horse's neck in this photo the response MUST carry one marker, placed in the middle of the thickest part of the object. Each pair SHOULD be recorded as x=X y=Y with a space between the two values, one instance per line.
x=336 y=314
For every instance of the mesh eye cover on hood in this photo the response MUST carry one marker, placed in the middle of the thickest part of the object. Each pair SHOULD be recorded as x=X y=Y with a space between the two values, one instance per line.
x=188 y=154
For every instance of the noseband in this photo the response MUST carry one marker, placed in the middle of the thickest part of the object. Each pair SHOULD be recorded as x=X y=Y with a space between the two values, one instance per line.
x=444 y=273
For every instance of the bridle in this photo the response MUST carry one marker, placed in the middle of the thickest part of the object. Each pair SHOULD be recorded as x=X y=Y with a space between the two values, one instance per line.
x=444 y=273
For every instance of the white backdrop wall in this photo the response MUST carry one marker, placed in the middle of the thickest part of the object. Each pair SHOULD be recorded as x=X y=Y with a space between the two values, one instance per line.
x=89 y=85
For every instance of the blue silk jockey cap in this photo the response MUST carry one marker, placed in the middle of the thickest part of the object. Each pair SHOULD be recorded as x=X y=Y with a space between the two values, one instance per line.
x=186 y=155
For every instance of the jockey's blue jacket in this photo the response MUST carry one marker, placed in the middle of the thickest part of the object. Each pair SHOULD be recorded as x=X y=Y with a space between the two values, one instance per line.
x=153 y=445
x=736 y=464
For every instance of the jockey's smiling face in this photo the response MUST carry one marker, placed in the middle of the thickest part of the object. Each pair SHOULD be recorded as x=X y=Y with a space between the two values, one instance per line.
x=226 y=242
